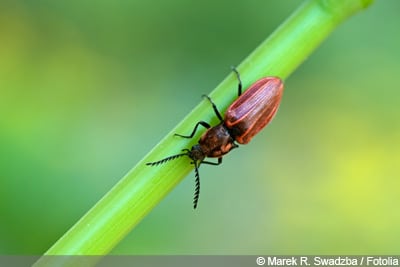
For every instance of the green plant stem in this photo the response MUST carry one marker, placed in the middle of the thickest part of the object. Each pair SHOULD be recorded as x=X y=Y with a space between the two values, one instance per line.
x=114 y=216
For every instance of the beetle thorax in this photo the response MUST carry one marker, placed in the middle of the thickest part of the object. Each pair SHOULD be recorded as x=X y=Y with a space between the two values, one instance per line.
x=215 y=142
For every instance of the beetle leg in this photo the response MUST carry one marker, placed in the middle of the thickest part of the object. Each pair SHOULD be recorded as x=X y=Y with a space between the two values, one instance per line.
x=214 y=108
x=202 y=123
x=213 y=163
x=239 y=80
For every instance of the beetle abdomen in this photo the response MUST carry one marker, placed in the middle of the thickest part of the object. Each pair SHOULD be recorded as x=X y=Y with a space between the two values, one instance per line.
x=254 y=109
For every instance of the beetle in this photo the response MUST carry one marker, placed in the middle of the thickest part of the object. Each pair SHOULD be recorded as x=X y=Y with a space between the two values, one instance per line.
x=244 y=118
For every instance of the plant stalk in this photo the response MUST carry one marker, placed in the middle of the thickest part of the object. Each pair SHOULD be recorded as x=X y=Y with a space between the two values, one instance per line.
x=136 y=194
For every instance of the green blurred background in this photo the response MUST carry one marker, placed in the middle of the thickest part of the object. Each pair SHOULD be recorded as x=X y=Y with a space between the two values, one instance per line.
x=87 y=88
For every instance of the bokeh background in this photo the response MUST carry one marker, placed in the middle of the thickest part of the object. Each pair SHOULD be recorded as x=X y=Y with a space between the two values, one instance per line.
x=87 y=88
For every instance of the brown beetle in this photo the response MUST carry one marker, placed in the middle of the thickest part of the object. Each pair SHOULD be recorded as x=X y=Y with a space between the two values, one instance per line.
x=244 y=118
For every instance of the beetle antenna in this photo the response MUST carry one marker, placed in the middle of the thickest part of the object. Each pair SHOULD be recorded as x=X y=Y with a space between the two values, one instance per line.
x=166 y=159
x=197 y=187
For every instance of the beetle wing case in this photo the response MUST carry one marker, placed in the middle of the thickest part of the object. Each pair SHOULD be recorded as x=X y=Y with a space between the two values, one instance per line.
x=254 y=109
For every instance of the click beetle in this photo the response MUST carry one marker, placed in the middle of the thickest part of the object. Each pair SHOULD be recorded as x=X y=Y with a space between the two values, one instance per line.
x=244 y=118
